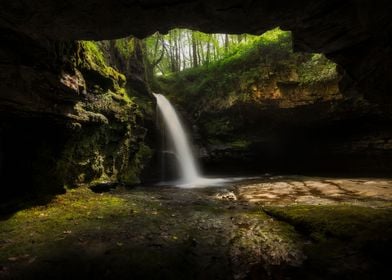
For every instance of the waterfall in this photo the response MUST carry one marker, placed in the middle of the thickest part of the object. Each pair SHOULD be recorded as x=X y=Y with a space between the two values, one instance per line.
x=187 y=165
x=186 y=161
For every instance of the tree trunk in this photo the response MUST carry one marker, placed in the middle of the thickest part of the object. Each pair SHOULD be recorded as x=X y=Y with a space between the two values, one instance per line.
x=194 y=50
x=226 y=43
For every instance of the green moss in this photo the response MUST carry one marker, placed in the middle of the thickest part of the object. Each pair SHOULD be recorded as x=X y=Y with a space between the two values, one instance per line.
x=126 y=46
x=66 y=214
x=131 y=176
x=345 y=240
x=93 y=54
x=105 y=145
x=94 y=61
x=339 y=221
x=241 y=144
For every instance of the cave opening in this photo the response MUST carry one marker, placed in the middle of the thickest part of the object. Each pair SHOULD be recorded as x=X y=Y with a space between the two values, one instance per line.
x=302 y=116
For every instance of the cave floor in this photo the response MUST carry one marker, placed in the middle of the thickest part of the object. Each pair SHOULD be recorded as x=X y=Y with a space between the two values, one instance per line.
x=282 y=227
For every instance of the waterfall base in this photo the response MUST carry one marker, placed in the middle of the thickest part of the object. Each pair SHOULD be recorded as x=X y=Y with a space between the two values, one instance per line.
x=205 y=182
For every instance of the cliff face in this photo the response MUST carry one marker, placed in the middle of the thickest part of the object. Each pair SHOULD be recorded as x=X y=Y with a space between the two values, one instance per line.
x=69 y=116
x=271 y=109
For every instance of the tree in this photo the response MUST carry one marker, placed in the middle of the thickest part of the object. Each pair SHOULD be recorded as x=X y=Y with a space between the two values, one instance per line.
x=194 y=50
x=183 y=48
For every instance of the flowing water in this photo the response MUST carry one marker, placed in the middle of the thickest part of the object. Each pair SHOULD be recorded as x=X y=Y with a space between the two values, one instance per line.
x=176 y=133
x=190 y=176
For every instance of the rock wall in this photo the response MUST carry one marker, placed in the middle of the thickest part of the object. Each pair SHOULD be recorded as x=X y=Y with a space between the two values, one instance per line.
x=68 y=116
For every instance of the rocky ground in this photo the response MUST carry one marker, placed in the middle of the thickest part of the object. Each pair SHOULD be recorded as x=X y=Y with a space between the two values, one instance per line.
x=265 y=228
x=317 y=191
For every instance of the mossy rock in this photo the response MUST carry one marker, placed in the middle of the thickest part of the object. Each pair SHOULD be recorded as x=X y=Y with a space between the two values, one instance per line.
x=344 y=240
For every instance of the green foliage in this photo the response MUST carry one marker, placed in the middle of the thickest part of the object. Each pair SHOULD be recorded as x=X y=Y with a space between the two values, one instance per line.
x=272 y=45
x=126 y=46
x=317 y=68
x=183 y=49
x=219 y=83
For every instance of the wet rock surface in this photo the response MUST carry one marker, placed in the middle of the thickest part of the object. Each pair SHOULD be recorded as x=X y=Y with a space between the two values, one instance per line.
x=317 y=191
x=269 y=228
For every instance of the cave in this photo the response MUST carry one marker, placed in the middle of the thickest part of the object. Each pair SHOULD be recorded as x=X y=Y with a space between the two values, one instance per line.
x=78 y=113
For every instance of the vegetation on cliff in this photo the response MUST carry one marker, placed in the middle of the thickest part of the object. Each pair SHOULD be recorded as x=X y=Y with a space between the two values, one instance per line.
x=225 y=98
x=247 y=74
x=107 y=142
